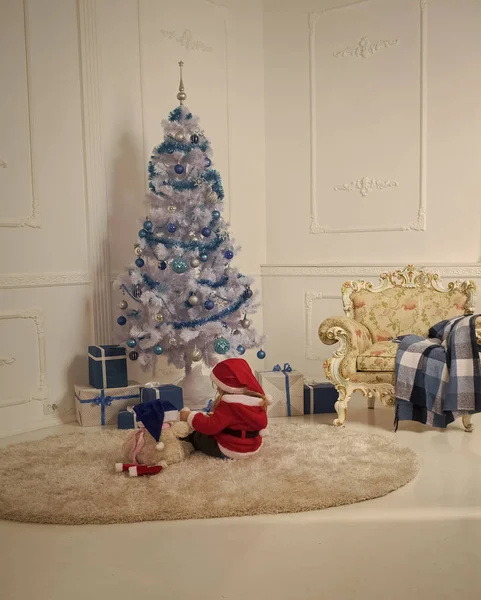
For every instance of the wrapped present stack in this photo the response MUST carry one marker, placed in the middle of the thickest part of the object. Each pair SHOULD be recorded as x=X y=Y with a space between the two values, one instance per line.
x=285 y=386
x=109 y=391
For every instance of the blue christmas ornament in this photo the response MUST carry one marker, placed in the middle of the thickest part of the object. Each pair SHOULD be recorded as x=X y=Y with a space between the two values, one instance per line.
x=158 y=349
x=208 y=162
x=171 y=227
x=162 y=265
x=142 y=233
x=148 y=225
x=229 y=254
x=179 y=265
x=121 y=320
x=248 y=292
x=261 y=354
x=208 y=304
x=221 y=346
x=241 y=350
x=216 y=215
x=179 y=169
x=140 y=262
x=131 y=343
x=203 y=257
x=206 y=232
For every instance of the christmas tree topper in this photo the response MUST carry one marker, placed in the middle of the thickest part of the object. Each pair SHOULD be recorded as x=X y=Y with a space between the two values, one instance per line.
x=181 y=96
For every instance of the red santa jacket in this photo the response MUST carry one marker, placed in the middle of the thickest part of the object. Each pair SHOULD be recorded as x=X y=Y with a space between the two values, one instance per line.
x=238 y=412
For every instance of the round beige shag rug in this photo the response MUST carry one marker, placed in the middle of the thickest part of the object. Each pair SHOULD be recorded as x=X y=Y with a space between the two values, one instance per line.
x=70 y=479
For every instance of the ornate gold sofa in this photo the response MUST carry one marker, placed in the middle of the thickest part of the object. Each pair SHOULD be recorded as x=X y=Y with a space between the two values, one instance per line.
x=406 y=301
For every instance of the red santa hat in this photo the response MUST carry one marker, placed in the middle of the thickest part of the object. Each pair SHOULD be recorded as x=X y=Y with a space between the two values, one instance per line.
x=234 y=376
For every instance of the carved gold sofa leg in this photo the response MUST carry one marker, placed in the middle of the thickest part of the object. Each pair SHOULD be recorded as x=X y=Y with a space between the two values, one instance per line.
x=341 y=405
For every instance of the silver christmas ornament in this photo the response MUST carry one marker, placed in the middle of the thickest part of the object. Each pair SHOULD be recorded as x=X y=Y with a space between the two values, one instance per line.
x=172 y=208
x=138 y=251
x=179 y=136
x=211 y=198
x=196 y=355
x=195 y=262
x=123 y=305
x=245 y=323
x=193 y=300
x=172 y=342
x=159 y=317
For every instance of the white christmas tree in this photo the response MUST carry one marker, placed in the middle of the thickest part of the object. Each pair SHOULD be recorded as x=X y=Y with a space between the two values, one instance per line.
x=183 y=297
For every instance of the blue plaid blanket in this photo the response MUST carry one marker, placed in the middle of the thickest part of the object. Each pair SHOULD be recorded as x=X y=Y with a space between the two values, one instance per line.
x=438 y=378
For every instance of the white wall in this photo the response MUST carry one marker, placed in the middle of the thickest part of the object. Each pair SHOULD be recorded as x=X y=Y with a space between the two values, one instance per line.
x=406 y=114
x=44 y=313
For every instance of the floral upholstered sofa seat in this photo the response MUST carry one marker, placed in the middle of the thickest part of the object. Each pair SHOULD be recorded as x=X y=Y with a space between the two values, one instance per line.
x=407 y=301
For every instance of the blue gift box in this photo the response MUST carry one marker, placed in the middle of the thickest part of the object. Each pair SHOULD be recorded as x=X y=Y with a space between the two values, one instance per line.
x=126 y=419
x=107 y=367
x=170 y=395
x=319 y=398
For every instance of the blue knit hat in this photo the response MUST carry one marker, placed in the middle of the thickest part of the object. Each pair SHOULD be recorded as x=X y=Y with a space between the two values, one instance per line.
x=151 y=414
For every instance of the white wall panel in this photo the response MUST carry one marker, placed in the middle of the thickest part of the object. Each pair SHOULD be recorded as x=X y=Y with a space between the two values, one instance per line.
x=16 y=186
x=44 y=316
x=378 y=90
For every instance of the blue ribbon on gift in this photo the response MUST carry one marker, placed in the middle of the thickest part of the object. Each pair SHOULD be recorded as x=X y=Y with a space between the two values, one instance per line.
x=102 y=400
x=207 y=409
x=286 y=370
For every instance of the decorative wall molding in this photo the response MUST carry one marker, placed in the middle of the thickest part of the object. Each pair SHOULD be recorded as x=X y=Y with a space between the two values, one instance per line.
x=460 y=271
x=6 y=360
x=366 y=185
x=36 y=314
x=33 y=219
x=365 y=48
x=186 y=40
x=419 y=224
x=96 y=185
x=309 y=298
x=24 y=280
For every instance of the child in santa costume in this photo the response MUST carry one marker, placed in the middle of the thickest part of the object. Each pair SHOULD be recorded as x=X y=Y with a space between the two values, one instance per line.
x=235 y=427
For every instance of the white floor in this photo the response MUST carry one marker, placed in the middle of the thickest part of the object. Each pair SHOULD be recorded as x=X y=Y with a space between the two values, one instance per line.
x=421 y=542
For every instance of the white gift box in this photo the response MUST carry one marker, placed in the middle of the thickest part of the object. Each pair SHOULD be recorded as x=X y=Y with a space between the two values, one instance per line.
x=286 y=389
x=101 y=407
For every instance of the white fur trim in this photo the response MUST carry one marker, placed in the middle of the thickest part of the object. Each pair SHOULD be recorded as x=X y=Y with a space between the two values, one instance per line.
x=264 y=432
x=232 y=454
x=225 y=387
x=241 y=399
x=119 y=467
x=191 y=416
x=133 y=472
x=160 y=446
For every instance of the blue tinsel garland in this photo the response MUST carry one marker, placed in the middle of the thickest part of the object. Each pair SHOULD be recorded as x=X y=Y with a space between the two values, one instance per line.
x=214 y=284
x=170 y=145
x=152 y=239
x=212 y=318
x=176 y=114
